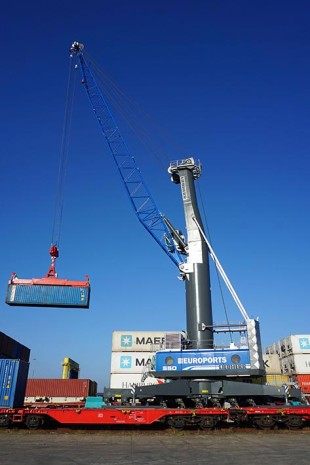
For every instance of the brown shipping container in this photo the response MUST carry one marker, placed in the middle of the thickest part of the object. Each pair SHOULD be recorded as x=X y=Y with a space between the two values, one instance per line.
x=60 y=388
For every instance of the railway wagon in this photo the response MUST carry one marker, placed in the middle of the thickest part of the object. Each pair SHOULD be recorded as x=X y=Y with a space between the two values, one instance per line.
x=291 y=417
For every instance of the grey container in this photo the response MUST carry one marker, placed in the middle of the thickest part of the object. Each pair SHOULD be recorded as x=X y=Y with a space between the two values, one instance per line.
x=13 y=381
x=37 y=295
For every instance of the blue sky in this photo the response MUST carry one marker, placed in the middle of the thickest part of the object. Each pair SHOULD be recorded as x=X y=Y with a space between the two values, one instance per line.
x=229 y=82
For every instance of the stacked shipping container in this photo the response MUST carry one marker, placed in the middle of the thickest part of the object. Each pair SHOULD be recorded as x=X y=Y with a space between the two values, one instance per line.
x=133 y=354
x=14 y=367
x=13 y=379
x=291 y=355
x=9 y=348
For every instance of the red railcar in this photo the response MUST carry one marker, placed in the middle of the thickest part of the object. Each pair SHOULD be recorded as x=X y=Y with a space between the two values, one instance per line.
x=292 y=417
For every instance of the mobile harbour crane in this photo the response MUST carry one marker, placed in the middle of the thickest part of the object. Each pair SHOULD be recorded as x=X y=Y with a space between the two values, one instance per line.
x=204 y=387
x=219 y=378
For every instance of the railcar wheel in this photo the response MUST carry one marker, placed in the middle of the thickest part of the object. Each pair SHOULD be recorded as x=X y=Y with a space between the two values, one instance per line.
x=264 y=422
x=176 y=422
x=5 y=421
x=207 y=423
x=294 y=422
x=34 y=421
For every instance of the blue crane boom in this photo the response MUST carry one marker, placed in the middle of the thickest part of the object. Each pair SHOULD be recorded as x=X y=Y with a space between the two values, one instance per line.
x=139 y=195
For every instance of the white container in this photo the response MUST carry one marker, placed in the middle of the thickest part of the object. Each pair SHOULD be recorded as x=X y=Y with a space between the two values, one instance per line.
x=273 y=348
x=297 y=344
x=140 y=341
x=272 y=364
x=290 y=345
x=123 y=381
x=53 y=400
x=296 y=364
x=130 y=362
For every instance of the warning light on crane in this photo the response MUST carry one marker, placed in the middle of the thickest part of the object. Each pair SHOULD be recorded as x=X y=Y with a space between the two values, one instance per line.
x=49 y=291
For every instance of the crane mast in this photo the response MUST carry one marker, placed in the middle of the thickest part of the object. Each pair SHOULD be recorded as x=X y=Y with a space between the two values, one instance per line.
x=196 y=269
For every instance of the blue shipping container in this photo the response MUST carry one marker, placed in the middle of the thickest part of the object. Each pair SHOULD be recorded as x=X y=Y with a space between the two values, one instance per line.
x=38 y=295
x=13 y=382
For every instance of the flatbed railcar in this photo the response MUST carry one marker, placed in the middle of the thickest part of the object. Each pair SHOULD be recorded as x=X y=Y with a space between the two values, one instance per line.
x=268 y=417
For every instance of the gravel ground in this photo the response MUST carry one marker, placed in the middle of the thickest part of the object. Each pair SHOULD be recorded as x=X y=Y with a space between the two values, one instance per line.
x=64 y=447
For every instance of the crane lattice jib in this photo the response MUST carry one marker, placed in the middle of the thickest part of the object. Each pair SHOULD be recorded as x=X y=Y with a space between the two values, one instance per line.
x=139 y=195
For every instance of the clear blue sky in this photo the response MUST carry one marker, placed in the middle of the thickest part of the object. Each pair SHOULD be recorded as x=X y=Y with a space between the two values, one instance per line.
x=229 y=81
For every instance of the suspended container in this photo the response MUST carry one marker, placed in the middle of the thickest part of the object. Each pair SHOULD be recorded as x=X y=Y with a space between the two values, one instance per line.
x=49 y=291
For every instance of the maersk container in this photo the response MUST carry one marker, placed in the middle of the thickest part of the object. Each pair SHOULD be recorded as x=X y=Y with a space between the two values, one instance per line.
x=290 y=345
x=296 y=344
x=13 y=380
x=142 y=341
x=131 y=362
x=37 y=295
x=296 y=364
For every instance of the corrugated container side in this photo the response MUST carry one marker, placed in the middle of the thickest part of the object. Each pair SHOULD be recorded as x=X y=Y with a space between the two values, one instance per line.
x=60 y=388
x=13 y=379
x=303 y=382
x=298 y=344
x=277 y=379
x=130 y=362
x=139 y=341
x=296 y=364
x=290 y=345
x=273 y=348
x=48 y=296
x=10 y=348
x=126 y=381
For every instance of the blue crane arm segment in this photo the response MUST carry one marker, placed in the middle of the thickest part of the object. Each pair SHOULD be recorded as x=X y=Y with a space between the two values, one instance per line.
x=139 y=195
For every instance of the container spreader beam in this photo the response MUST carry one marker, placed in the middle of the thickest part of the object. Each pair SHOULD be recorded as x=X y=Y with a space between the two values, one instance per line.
x=49 y=291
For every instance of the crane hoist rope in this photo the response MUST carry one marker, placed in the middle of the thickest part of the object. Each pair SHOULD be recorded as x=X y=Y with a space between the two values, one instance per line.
x=141 y=200
x=52 y=291
x=139 y=121
x=216 y=268
x=63 y=162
